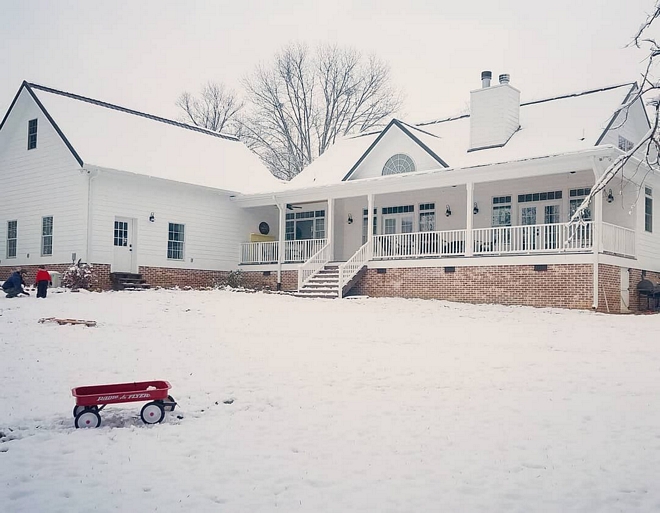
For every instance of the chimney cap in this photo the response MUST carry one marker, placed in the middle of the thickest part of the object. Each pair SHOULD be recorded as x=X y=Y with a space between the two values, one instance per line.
x=486 y=74
x=504 y=78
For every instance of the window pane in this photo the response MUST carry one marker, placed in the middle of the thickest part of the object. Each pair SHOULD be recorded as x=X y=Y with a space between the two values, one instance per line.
x=648 y=217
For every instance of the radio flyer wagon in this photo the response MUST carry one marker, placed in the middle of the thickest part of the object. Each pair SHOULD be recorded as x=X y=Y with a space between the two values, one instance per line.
x=92 y=399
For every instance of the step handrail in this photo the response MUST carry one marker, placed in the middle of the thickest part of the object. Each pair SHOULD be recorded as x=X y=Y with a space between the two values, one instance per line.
x=313 y=265
x=352 y=266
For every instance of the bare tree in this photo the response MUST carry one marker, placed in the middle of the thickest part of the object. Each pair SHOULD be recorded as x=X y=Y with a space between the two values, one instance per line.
x=304 y=101
x=644 y=154
x=214 y=109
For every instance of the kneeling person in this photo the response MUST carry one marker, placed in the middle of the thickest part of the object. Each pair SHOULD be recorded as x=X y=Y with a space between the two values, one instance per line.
x=14 y=284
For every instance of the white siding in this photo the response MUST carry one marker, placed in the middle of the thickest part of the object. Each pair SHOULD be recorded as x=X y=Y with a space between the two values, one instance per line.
x=214 y=225
x=393 y=142
x=494 y=115
x=648 y=244
x=45 y=181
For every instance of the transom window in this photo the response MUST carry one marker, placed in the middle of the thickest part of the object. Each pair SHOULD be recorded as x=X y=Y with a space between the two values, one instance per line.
x=32 y=134
x=305 y=225
x=625 y=144
x=398 y=164
x=121 y=233
x=398 y=210
x=12 y=237
x=47 y=236
x=539 y=196
x=175 y=241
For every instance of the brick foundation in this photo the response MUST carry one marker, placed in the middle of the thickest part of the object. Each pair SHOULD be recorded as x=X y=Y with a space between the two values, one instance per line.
x=199 y=278
x=561 y=286
x=100 y=280
x=637 y=303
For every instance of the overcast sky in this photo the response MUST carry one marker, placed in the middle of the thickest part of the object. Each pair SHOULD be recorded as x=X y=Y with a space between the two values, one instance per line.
x=142 y=54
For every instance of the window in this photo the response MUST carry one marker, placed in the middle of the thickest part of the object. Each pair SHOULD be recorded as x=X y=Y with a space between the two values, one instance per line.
x=576 y=198
x=365 y=222
x=501 y=211
x=175 y=239
x=398 y=210
x=648 y=209
x=398 y=164
x=121 y=233
x=625 y=144
x=47 y=236
x=32 y=134
x=305 y=225
x=12 y=236
x=427 y=217
x=539 y=196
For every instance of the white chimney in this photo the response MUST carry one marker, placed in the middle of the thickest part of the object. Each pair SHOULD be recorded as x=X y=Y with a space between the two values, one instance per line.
x=494 y=113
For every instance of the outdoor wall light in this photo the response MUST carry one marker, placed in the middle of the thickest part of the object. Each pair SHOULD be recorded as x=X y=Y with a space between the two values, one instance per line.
x=152 y=218
x=610 y=196
x=448 y=211
x=475 y=210
x=350 y=219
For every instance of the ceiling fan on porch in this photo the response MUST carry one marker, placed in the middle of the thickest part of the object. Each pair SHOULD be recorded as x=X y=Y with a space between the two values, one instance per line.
x=289 y=206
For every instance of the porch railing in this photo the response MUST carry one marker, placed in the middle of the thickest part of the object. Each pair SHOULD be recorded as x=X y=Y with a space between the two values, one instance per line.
x=419 y=244
x=352 y=266
x=539 y=238
x=313 y=265
x=267 y=252
x=618 y=240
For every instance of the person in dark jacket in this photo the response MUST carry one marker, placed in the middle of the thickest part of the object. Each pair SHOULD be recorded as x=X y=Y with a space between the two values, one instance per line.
x=14 y=284
x=42 y=280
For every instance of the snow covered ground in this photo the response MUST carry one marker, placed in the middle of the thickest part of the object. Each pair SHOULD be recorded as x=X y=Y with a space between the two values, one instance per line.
x=368 y=405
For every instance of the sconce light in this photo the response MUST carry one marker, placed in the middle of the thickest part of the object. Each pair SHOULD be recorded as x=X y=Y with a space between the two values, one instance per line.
x=610 y=196
x=475 y=210
x=152 y=218
x=448 y=211
x=350 y=219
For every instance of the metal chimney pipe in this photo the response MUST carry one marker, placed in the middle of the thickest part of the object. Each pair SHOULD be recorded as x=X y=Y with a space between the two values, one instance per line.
x=504 y=79
x=485 y=78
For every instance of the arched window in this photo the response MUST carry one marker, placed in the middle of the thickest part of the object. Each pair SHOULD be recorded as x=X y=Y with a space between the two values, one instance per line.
x=397 y=164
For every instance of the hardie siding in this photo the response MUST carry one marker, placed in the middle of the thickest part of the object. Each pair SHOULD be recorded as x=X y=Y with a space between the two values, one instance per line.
x=45 y=181
x=214 y=226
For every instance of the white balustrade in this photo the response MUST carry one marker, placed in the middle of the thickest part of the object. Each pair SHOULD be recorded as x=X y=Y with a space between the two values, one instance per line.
x=618 y=240
x=313 y=265
x=419 y=244
x=538 y=238
x=352 y=266
x=267 y=252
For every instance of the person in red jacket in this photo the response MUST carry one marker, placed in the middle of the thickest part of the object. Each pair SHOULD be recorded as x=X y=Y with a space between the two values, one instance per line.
x=42 y=280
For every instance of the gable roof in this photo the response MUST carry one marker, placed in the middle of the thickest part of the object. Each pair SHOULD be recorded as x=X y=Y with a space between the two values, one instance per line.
x=550 y=126
x=114 y=137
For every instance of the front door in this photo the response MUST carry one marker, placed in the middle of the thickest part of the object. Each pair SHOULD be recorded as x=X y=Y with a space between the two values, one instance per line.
x=400 y=224
x=124 y=256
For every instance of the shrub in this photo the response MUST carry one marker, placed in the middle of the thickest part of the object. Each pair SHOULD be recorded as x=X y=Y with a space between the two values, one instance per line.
x=78 y=276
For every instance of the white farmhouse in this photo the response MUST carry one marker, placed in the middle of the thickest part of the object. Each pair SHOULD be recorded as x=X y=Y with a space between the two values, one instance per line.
x=471 y=208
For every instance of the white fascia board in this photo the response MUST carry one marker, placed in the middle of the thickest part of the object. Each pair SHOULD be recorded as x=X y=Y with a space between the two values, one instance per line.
x=99 y=169
x=443 y=177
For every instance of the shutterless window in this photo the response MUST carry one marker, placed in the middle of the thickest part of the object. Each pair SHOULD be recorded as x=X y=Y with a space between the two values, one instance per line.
x=32 y=134
x=427 y=217
x=47 y=236
x=576 y=198
x=175 y=240
x=648 y=209
x=12 y=237
x=365 y=223
x=501 y=215
x=625 y=144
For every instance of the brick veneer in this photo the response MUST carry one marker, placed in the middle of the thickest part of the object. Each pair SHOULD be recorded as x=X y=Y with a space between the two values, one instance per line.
x=561 y=285
x=100 y=280
x=637 y=304
x=199 y=278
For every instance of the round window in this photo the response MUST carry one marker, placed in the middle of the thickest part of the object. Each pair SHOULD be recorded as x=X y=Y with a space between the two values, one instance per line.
x=398 y=164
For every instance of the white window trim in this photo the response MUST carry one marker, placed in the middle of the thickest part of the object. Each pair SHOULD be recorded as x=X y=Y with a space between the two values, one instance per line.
x=182 y=242
x=52 y=229
x=15 y=239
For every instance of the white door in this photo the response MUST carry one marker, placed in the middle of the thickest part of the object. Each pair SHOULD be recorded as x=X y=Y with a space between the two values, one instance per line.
x=124 y=257
x=528 y=221
x=399 y=225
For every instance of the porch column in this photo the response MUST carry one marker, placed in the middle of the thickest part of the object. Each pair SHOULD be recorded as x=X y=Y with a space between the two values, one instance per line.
x=469 y=245
x=330 y=229
x=280 y=244
x=370 y=222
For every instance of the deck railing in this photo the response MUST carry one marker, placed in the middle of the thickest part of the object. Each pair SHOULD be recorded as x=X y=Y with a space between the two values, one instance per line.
x=419 y=244
x=618 y=240
x=352 y=266
x=313 y=265
x=267 y=252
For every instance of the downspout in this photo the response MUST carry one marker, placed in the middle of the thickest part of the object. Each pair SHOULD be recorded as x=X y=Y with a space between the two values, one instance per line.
x=597 y=234
x=88 y=250
x=280 y=245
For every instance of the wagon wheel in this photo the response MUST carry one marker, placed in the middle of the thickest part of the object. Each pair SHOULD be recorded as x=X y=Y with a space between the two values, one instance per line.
x=80 y=409
x=88 y=418
x=152 y=413
x=170 y=407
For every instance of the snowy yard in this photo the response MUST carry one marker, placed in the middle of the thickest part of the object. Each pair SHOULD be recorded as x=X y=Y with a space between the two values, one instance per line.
x=376 y=405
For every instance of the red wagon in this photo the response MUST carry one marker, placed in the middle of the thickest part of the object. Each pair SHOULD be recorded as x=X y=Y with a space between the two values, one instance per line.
x=92 y=399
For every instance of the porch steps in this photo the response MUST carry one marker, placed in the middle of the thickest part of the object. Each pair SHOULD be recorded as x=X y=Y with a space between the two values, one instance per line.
x=128 y=281
x=323 y=284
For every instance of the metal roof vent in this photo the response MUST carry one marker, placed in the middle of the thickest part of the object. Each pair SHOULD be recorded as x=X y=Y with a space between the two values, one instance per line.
x=504 y=78
x=485 y=78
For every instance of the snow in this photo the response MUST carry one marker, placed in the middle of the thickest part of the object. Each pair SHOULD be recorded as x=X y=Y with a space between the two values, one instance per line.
x=564 y=125
x=115 y=139
x=386 y=405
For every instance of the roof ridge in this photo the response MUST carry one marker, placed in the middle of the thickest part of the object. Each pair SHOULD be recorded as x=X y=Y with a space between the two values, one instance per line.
x=534 y=102
x=131 y=111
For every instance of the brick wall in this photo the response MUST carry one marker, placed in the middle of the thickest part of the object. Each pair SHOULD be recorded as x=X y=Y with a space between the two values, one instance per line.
x=637 y=303
x=561 y=286
x=257 y=280
x=100 y=280
x=197 y=278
